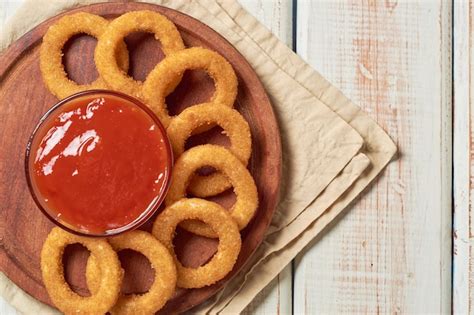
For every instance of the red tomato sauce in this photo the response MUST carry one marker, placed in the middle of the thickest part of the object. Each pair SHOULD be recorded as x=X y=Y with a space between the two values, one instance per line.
x=100 y=163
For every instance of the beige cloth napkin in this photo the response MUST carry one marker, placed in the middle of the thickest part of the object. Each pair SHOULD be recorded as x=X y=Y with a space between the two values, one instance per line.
x=343 y=148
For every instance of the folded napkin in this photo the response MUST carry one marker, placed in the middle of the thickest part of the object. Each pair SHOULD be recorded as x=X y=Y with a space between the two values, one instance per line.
x=331 y=149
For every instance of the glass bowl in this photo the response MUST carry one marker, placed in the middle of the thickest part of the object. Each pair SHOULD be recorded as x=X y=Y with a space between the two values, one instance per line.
x=45 y=131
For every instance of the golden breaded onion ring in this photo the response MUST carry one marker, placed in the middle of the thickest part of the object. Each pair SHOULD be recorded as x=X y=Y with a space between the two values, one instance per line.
x=67 y=301
x=161 y=261
x=234 y=126
x=158 y=82
x=226 y=163
x=52 y=69
x=136 y=21
x=219 y=221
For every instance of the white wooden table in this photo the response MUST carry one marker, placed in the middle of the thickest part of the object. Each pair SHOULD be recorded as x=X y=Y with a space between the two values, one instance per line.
x=393 y=252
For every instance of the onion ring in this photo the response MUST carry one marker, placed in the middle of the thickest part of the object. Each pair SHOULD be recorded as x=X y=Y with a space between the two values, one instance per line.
x=235 y=127
x=146 y=21
x=223 y=225
x=225 y=162
x=161 y=261
x=157 y=85
x=59 y=291
x=52 y=69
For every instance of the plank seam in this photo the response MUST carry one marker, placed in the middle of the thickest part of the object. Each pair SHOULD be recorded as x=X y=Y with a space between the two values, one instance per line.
x=469 y=304
x=294 y=16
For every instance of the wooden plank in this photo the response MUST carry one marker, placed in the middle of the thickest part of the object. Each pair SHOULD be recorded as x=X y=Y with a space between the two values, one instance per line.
x=6 y=308
x=276 y=15
x=7 y=9
x=463 y=150
x=276 y=298
x=392 y=252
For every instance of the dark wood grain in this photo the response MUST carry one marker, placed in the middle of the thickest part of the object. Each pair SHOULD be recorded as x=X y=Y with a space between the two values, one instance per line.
x=24 y=98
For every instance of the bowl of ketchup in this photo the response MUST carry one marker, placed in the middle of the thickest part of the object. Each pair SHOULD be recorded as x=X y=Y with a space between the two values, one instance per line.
x=99 y=163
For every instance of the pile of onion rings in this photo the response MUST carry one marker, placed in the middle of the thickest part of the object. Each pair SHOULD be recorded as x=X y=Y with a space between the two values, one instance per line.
x=161 y=261
x=233 y=125
x=59 y=291
x=103 y=273
x=219 y=220
x=111 y=54
x=146 y=21
x=228 y=164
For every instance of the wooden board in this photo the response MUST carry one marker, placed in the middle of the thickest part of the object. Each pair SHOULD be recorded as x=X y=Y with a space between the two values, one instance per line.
x=391 y=253
x=463 y=155
x=23 y=99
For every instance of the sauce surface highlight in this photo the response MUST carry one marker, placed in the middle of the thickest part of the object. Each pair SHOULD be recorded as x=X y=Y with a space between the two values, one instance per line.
x=99 y=163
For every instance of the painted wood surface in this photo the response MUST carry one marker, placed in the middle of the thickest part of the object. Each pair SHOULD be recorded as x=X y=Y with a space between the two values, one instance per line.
x=463 y=154
x=391 y=253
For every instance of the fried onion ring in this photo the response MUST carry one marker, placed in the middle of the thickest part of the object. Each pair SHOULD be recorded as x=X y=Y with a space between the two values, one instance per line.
x=52 y=69
x=145 y=21
x=161 y=261
x=229 y=165
x=61 y=295
x=157 y=85
x=235 y=127
x=220 y=221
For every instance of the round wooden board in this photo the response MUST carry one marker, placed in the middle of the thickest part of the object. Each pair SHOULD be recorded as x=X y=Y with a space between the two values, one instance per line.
x=24 y=98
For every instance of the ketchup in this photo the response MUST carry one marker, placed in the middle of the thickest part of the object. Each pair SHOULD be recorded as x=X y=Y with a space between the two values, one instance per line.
x=99 y=163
